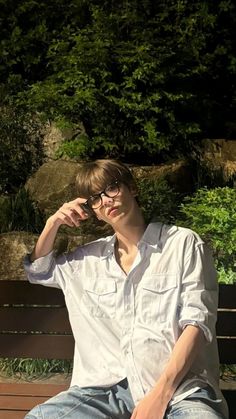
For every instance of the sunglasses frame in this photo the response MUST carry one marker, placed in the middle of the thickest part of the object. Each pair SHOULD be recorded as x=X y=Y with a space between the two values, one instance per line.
x=88 y=209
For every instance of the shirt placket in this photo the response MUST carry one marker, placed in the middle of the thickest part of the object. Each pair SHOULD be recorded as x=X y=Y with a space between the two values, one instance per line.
x=127 y=333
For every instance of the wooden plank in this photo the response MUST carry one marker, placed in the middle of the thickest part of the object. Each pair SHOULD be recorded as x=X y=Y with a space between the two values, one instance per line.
x=59 y=379
x=20 y=402
x=227 y=295
x=22 y=292
x=227 y=350
x=16 y=399
x=33 y=389
x=37 y=346
x=43 y=319
x=226 y=323
x=11 y=414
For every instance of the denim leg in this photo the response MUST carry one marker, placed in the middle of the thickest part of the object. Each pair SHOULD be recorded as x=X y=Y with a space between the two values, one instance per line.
x=202 y=404
x=87 y=403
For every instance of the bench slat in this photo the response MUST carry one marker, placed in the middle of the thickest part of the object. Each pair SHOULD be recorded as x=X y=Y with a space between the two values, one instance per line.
x=11 y=414
x=20 y=402
x=227 y=295
x=33 y=389
x=227 y=350
x=22 y=292
x=36 y=346
x=43 y=319
x=226 y=323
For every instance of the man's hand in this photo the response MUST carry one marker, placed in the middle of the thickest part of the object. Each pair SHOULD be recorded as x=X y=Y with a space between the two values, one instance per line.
x=152 y=406
x=70 y=214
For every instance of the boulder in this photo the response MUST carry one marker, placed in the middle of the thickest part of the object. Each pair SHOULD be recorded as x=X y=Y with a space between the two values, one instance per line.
x=178 y=173
x=219 y=155
x=53 y=184
x=55 y=136
x=15 y=245
x=52 y=139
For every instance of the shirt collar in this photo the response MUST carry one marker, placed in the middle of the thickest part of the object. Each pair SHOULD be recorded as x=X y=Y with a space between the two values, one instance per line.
x=151 y=237
x=109 y=246
x=156 y=234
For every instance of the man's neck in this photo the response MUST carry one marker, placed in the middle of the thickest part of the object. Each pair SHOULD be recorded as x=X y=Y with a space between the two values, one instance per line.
x=126 y=245
x=128 y=236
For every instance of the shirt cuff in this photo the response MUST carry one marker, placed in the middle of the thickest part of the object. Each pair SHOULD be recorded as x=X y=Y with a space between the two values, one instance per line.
x=40 y=265
x=206 y=330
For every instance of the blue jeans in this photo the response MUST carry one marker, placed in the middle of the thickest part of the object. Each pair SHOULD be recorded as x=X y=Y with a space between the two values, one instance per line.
x=116 y=403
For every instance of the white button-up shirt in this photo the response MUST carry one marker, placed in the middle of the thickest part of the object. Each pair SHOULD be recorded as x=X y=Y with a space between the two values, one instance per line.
x=126 y=325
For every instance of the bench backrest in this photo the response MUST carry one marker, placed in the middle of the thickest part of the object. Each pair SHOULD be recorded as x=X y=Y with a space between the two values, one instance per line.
x=34 y=322
x=226 y=324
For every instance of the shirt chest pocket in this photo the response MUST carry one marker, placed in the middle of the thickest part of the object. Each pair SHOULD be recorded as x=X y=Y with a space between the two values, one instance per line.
x=158 y=297
x=99 y=297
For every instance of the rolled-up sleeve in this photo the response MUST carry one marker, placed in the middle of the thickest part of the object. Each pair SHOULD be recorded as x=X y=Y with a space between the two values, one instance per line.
x=39 y=266
x=199 y=291
x=42 y=270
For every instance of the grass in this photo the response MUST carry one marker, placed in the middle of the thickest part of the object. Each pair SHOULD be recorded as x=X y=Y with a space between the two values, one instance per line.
x=29 y=368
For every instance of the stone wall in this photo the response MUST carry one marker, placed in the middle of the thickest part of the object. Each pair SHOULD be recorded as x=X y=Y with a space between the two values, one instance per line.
x=53 y=184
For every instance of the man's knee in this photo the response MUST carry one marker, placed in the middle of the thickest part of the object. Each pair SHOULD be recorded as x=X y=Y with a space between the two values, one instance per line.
x=34 y=414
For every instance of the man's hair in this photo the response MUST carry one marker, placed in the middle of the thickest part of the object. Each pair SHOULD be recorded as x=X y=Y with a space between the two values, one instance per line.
x=94 y=176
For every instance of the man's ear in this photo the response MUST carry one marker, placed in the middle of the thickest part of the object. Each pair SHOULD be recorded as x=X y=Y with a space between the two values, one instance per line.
x=134 y=190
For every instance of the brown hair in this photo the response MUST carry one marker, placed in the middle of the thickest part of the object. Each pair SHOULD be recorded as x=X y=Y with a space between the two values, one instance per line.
x=94 y=176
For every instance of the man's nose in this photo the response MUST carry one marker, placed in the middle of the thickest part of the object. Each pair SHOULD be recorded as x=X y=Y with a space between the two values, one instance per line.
x=106 y=200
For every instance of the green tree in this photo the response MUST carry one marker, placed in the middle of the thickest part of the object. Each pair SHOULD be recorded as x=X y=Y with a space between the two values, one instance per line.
x=143 y=77
x=212 y=213
x=20 y=148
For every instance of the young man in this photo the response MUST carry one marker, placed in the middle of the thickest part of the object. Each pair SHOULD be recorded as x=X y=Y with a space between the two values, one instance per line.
x=142 y=306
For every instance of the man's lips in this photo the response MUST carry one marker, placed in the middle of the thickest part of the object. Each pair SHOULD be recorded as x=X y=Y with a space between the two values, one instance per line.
x=111 y=210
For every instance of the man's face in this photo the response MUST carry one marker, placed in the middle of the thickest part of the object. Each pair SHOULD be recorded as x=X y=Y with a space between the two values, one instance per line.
x=116 y=202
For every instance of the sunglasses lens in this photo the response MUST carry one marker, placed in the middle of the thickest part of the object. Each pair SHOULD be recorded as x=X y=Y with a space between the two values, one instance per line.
x=95 y=201
x=111 y=191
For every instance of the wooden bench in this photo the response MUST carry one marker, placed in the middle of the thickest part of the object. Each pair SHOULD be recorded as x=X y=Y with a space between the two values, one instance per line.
x=34 y=324
x=226 y=338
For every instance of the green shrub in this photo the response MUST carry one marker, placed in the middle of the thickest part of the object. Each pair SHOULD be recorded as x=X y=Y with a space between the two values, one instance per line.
x=212 y=214
x=157 y=199
x=19 y=213
x=75 y=149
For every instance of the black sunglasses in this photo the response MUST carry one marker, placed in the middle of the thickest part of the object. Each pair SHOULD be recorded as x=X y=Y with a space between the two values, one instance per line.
x=95 y=201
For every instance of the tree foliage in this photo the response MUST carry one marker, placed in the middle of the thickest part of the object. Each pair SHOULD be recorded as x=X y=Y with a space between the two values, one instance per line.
x=21 y=148
x=212 y=213
x=145 y=78
x=158 y=200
